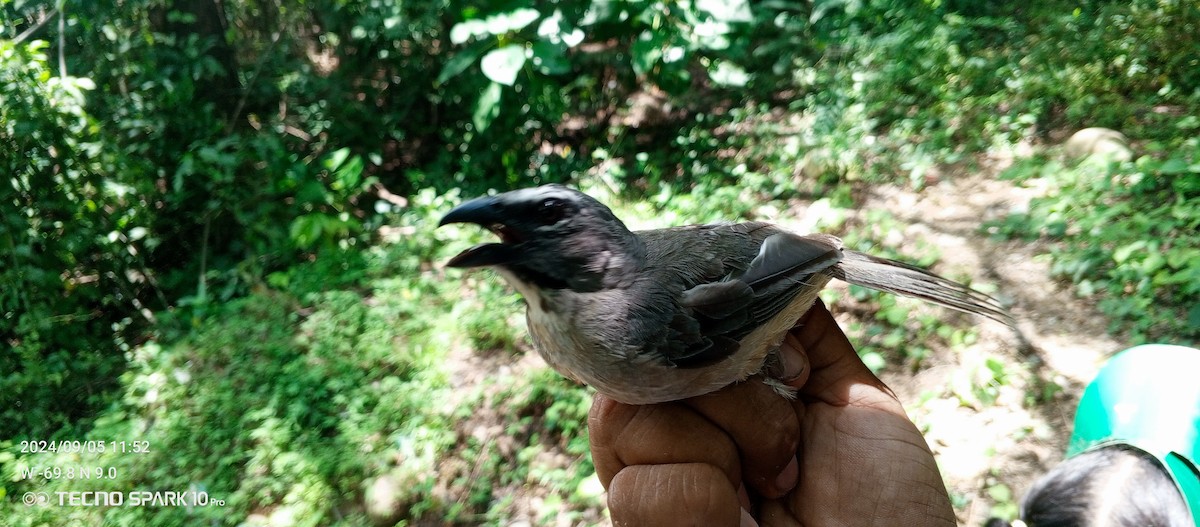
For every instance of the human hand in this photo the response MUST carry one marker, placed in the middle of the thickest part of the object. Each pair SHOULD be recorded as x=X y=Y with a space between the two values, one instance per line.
x=843 y=453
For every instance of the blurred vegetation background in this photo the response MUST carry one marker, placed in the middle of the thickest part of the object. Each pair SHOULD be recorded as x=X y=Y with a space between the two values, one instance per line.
x=217 y=232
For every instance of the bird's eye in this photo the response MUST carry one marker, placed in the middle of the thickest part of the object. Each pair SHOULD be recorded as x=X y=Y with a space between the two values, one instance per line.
x=551 y=210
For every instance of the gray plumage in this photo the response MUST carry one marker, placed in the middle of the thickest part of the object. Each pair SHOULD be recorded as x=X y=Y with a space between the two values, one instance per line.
x=666 y=314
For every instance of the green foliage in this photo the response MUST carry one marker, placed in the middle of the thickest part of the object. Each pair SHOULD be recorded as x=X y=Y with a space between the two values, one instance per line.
x=1128 y=237
x=488 y=318
x=524 y=71
x=1005 y=502
x=278 y=402
x=979 y=384
x=662 y=40
x=73 y=267
x=553 y=412
x=897 y=88
x=216 y=234
x=134 y=190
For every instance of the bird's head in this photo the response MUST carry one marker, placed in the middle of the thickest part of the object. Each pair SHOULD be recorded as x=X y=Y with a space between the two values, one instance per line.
x=550 y=236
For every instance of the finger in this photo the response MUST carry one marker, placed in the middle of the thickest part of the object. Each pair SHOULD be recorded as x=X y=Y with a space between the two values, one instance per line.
x=832 y=360
x=605 y=420
x=675 y=494
x=794 y=368
x=765 y=429
x=623 y=435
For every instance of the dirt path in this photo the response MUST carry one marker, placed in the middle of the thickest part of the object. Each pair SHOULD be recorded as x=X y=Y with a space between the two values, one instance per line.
x=1012 y=441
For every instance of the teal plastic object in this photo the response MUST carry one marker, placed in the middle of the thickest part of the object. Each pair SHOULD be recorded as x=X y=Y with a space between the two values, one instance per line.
x=1147 y=397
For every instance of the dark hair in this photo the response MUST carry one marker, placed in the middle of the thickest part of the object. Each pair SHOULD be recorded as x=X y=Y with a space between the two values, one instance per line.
x=1115 y=485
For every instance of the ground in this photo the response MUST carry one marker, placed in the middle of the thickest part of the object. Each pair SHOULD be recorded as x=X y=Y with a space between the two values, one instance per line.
x=1012 y=441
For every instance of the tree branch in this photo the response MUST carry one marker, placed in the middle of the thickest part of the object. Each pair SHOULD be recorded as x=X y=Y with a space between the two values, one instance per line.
x=62 y=44
x=36 y=26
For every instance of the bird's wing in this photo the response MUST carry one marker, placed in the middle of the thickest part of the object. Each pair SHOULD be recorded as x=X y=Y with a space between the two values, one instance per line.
x=733 y=279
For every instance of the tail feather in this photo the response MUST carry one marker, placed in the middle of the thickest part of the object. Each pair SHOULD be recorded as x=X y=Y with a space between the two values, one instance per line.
x=902 y=279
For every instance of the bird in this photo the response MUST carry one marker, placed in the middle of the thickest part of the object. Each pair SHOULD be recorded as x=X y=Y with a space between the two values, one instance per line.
x=661 y=315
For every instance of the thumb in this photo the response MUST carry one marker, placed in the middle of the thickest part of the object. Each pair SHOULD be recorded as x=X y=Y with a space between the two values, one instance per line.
x=833 y=364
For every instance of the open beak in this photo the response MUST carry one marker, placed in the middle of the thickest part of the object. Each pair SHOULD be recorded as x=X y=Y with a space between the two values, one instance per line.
x=488 y=213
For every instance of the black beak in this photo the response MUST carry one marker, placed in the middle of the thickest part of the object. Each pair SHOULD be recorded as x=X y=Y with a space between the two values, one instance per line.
x=483 y=255
x=483 y=211
x=487 y=212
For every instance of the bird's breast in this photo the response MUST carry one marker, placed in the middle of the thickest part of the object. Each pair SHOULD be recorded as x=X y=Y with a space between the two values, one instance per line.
x=552 y=319
x=610 y=340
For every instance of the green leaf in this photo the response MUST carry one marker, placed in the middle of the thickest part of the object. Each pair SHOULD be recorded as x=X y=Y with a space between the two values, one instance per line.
x=307 y=229
x=1152 y=263
x=348 y=174
x=312 y=191
x=550 y=59
x=1000 y=493
x=335 y=159
x=187 y=167
x=84 y=83
x=1181 y=257
x=1123 y=253
x=1188 y=183
x=463 y=31
x=996 y=366
x=1174 y=165
x=487 y=107
x=501 y=65
x=726 y=73
x=646 y=51
x=820 y=9
x=727 y=10
x=874 y=361
x=460 y=62
x=676 y=80
x=497 y=24
x=555 y=31
x=513 y=20
x=712 y=35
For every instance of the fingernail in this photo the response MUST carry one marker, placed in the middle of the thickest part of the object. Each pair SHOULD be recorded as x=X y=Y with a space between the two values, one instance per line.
x=747 y=519
x=787 y=479
x=793 y=368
